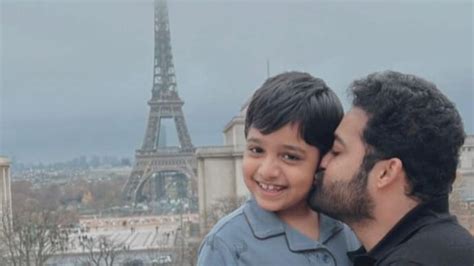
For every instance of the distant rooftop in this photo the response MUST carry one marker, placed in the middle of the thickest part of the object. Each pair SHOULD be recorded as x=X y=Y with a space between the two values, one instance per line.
x=469 y=140
x=4 y=160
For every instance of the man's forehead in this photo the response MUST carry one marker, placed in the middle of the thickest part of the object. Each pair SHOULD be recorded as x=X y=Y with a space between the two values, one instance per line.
x=352 y=125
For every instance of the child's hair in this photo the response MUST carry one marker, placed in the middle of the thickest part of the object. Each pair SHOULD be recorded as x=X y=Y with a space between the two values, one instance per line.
x=297 y=98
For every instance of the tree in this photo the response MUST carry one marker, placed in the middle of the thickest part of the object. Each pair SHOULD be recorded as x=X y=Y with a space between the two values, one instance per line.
x=30 y=236
x=101 y=250
x=190 y=252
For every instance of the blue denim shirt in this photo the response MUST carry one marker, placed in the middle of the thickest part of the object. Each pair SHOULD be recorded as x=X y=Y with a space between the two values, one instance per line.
x=253 y=236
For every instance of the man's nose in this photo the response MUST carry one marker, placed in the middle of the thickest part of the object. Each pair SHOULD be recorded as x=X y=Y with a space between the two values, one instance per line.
x=325 y=160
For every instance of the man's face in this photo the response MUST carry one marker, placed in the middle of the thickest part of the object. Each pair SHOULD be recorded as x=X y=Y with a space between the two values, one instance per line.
x=340 y=188
x=279 y=168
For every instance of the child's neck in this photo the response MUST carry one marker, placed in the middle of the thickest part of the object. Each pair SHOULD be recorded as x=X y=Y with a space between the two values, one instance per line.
x=303 y=219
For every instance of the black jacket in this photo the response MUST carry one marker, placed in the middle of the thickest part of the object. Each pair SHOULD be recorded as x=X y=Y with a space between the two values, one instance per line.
x=427 y=235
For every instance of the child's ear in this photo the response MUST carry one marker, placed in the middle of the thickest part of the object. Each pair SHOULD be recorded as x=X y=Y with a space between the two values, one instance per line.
x=388 y=171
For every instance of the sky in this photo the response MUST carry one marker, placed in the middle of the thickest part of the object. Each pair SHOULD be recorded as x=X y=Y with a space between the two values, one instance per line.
x=76 y=75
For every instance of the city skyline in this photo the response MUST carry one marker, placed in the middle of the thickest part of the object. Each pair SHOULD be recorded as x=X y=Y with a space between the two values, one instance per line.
x=76 y=76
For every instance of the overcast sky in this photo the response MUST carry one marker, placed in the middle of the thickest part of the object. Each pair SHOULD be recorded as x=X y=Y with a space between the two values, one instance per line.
x=76 y=75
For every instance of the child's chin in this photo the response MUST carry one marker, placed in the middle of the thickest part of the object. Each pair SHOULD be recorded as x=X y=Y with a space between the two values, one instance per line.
x=268 y=206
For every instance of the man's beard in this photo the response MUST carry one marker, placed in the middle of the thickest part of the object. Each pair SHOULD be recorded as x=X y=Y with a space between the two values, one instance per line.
x=348 y=201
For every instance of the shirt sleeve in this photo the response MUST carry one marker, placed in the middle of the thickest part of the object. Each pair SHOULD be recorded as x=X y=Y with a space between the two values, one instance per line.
x=214 y=251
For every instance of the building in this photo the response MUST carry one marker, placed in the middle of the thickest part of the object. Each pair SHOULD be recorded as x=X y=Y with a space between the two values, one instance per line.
x=5 y=188
x=462 y=197
x=220 y=169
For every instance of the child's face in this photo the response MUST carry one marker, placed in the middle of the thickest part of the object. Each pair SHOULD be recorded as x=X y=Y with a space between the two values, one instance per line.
x=279 y=168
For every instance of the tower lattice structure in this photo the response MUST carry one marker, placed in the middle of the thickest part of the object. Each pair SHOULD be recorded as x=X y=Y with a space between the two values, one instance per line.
x=165 y=103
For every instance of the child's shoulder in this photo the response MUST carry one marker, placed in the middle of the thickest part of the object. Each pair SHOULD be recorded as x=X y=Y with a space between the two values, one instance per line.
x=228 y=238
x=231 y=224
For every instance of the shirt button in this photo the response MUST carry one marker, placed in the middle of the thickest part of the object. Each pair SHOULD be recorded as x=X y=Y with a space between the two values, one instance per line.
x=327 y=259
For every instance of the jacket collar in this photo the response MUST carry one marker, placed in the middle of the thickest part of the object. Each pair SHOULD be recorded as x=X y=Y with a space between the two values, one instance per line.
x=266 y=224
x=424 y=214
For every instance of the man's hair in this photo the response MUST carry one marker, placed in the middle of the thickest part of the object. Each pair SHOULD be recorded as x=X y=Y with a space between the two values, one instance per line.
x=410 y=119
x=296 y=98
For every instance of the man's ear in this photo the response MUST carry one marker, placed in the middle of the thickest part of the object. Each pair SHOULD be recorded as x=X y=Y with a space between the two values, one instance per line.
x=388 y=171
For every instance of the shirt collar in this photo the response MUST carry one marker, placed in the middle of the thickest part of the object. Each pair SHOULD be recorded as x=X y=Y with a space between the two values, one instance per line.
x=266 y=224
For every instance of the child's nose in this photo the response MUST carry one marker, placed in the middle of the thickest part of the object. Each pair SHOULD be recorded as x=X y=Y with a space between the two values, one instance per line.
x=269 y=168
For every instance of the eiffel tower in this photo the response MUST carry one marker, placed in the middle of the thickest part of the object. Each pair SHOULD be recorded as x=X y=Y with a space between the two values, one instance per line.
x=156 y=168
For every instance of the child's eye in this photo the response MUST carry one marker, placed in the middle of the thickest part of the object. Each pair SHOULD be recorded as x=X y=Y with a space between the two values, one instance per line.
x=334 y=152
x=291 y=157
x=255 y=150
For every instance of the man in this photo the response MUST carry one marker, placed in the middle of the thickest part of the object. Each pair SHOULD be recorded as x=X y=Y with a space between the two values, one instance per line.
x=390 y=170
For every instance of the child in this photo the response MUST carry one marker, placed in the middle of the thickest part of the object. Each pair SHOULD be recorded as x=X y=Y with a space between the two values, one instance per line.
x=289 y=126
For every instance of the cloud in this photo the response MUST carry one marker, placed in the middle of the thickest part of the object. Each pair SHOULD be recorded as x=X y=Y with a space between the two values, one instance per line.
x=76 y=76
